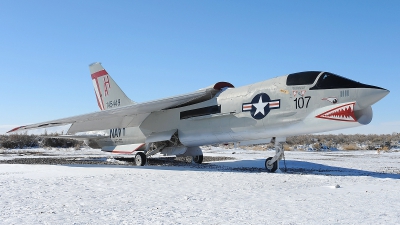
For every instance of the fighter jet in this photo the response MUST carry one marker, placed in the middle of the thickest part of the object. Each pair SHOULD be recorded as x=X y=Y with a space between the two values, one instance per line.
x=264 y=112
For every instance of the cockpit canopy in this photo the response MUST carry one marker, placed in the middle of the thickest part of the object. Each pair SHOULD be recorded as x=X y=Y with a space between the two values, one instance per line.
x=325 y=81
x=302 y=78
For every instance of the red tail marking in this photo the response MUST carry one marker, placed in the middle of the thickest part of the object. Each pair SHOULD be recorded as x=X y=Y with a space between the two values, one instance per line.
x=94 y=77
x=99 y=74
x=106 y=85
x=98 y=100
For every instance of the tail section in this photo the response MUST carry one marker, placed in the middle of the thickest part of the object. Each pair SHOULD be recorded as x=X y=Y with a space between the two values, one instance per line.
x=108 y=94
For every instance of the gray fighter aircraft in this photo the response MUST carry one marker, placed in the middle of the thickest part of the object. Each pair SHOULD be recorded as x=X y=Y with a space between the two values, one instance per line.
x=264 y=112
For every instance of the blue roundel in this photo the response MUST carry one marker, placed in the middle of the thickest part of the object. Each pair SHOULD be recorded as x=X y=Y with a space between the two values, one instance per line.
x=260 y=106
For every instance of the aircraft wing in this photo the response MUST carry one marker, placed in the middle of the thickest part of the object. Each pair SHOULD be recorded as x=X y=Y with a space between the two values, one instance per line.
x=127 y=116
x=77 y=137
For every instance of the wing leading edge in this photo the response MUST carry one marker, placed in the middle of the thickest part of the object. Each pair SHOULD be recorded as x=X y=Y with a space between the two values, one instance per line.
x=127 y=116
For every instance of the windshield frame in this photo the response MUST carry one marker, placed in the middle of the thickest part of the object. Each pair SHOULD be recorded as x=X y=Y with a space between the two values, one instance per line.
x=303 y=78
x=341 y=83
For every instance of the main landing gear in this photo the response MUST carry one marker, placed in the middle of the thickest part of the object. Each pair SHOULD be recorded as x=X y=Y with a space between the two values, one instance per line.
x=197 y=159
x=140 y=159
x=272 y=163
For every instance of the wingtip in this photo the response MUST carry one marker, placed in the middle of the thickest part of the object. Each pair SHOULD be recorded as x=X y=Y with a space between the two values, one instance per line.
x=15 y=129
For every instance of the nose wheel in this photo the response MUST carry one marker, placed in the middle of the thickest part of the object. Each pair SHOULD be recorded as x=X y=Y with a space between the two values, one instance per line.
x=271 y=167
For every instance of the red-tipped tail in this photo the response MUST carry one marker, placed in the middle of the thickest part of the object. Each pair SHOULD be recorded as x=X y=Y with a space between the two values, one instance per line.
x=108 y=94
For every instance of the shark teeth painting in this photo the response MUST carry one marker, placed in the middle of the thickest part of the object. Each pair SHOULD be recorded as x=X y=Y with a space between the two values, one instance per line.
x=341 y=113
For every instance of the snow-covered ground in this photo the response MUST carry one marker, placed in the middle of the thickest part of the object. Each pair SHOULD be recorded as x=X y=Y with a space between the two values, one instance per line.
x=225 y=192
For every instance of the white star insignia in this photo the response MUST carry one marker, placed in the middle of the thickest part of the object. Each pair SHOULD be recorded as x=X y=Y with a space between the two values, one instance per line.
x=260 y=106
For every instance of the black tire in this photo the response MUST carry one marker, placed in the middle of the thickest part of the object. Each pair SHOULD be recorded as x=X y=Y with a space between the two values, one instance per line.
x=271 y=168
x=140 y=159
x=197 y=159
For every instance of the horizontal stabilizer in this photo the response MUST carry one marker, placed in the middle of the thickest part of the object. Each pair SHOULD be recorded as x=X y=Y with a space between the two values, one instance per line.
x=77 y=137
x=124 y=149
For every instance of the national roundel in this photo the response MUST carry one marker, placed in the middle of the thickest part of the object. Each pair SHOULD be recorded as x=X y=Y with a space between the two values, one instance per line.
x=260 y=106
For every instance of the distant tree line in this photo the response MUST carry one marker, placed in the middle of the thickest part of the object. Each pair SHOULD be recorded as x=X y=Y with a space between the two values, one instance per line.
x=347 y=142
x=34 y=141
x=345 y=139
x=333 y=141
x=329 y=140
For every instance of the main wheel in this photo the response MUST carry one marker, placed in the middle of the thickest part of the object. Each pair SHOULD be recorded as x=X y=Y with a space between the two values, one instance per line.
x=197 y=159
x=140 y=159
x=271 y=168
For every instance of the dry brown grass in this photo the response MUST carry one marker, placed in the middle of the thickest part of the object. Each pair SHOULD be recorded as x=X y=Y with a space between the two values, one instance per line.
x=384 y=149
x=350 y=147
x=287 y=147
x=258 y=148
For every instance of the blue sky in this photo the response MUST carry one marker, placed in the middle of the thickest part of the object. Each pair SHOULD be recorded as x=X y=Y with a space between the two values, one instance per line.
x=155 y=49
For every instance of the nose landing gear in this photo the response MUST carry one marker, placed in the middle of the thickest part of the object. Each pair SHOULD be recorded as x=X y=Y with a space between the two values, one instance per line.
x=272 y=163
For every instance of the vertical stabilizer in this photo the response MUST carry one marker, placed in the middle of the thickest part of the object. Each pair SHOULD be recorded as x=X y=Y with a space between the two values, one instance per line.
x=108 y=94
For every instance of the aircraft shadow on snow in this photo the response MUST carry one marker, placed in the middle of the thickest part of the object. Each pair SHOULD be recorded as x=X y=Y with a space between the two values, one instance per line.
x=304 y=167
x=256 y=166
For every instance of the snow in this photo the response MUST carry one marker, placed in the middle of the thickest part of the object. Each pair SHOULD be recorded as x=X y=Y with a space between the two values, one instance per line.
x=340 y=187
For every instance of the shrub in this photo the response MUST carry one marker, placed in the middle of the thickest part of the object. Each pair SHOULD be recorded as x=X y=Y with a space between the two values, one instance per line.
x=31 y=141
x=350 y=147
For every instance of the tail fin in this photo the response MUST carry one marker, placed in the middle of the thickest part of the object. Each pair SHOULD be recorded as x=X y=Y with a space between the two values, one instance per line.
x=108 y=93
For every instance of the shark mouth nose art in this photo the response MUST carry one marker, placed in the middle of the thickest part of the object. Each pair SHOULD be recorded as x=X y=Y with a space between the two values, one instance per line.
x=341 y=113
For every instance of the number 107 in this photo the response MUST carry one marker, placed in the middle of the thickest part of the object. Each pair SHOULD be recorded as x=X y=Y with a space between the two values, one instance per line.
x=300 y=102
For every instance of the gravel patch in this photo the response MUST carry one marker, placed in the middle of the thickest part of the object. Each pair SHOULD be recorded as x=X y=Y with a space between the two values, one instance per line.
x=169 y=161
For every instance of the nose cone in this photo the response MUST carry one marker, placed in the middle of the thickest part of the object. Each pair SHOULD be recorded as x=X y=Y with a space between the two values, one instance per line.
x=369 y=96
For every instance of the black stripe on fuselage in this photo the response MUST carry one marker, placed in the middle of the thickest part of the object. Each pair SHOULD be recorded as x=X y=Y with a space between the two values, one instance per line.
x=200 y=112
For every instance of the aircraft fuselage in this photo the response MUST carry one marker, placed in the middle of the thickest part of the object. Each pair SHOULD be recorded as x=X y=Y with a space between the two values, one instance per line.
x=278 y=107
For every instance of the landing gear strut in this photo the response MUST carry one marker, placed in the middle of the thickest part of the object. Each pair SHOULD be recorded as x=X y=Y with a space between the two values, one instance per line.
x=140 y=159
x=272 y=163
